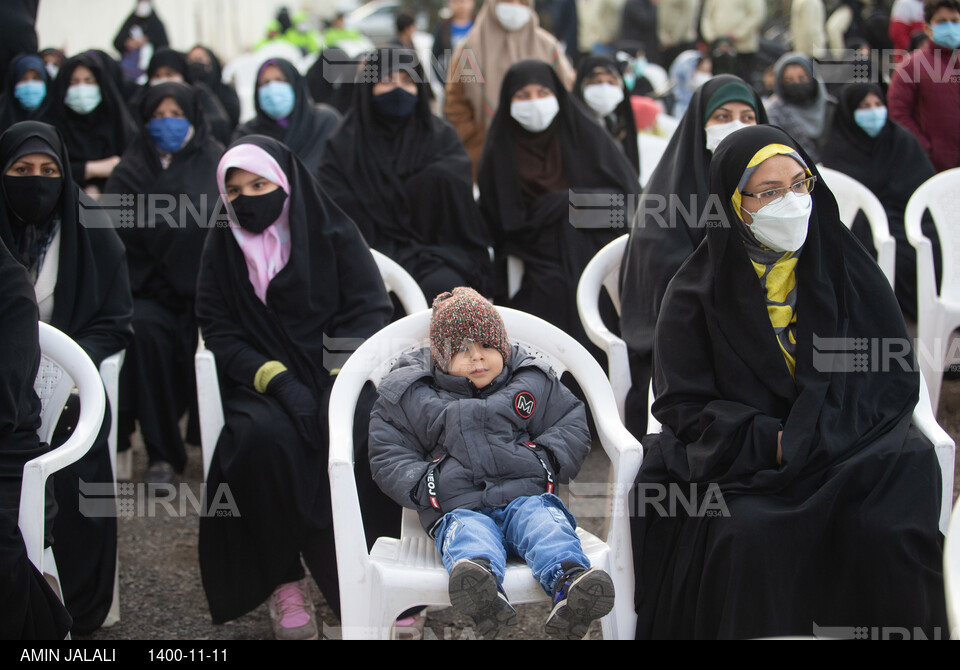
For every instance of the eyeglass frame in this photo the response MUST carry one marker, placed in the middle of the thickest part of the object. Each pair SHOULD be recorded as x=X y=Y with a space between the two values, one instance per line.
x=812 y=179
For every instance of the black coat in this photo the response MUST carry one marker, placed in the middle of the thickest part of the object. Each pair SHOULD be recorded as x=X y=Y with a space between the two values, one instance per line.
x=844 y=529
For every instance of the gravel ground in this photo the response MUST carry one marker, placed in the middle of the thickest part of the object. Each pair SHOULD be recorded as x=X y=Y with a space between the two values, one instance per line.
x=161 y=597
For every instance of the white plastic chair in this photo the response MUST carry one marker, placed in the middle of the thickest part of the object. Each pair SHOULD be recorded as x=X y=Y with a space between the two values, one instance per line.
x=603 y=271
x=399 y=573
x=951 y=573
x=924 y=419
x=121 y=464
x=63 y=365
x=853 y=197
x=210 y=406
x=938 y=315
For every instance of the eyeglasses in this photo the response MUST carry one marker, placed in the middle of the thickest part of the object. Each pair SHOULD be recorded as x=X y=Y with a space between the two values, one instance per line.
x=802 y=187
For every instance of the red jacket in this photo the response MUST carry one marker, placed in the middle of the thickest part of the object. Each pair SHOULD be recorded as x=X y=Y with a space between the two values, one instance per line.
x=924 y=97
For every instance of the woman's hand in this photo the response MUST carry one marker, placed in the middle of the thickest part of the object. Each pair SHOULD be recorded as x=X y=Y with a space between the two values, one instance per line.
x=779 y=447
x=101 y=169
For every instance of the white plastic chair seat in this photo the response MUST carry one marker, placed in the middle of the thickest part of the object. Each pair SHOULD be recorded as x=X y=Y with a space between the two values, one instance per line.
x=63 y=365
x=404 y=572
x=393 y=559
x=209 y=404
x=853 y=197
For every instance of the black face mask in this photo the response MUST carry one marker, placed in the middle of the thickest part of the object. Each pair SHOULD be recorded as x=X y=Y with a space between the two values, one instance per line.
x=256 y=213
x=31 y=199
x=395 y=104
x=801 y=94
x=198 y=72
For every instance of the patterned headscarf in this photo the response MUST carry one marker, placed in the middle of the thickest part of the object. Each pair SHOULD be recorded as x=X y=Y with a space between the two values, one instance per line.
x=775 y=269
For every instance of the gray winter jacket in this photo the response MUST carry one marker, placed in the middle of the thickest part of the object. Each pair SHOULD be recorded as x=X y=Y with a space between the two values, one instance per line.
x=438 y=444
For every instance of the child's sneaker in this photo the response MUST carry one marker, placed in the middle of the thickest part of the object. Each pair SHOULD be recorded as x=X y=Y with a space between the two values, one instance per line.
x=292 y=612
x=579 y=596
x=474 y=590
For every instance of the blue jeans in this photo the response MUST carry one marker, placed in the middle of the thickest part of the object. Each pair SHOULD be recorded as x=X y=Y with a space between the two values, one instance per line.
x=538 y=529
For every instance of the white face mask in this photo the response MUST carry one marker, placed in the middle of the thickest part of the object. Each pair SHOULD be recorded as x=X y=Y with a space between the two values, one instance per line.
x=535 y=115
x=512 y=17
x=782 y=225
x=143 y=10
x=603 y=98
x=717 y=133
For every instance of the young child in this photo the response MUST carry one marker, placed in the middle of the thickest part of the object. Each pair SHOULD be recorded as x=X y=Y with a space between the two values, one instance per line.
x=474 y=434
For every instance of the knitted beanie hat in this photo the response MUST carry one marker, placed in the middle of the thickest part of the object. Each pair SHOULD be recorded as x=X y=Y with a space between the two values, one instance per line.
x=462 y=315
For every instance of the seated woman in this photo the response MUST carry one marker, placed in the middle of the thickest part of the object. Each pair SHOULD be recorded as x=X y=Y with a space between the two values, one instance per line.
x=668 y=225
x=88 y=110
x=25 y=90
x=800 y=104
x=541 y=153
x=504 y=33
x=29 y=608
x=599 y=86
x=168 y=172
x=810 y=503
x=78 y=269
x=203 y=67
x=286 y=112
x=886 y=158
x=403 y=176
x=169 y=65
x=289 y=273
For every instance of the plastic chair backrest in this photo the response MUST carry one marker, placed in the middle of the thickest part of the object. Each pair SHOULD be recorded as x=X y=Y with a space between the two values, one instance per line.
x=941 y=196
x=63 y=366
x=652 y=148
x=603 y=271
x=853 y=197
x=938 y=312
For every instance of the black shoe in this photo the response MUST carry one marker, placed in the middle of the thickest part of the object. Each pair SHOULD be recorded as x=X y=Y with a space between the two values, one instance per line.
x=474 y=591
x=579 y=597
x=158 y=472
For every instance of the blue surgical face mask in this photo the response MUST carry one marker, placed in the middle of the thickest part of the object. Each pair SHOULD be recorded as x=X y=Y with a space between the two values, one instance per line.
x=169 y=132
x=30 y=94
x=276 y=99
x=82 y=98
x=396 y=104
x=947 y=35
x=871 y=120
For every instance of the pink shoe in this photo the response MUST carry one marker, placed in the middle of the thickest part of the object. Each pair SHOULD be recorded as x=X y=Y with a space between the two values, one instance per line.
x=292 y=612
